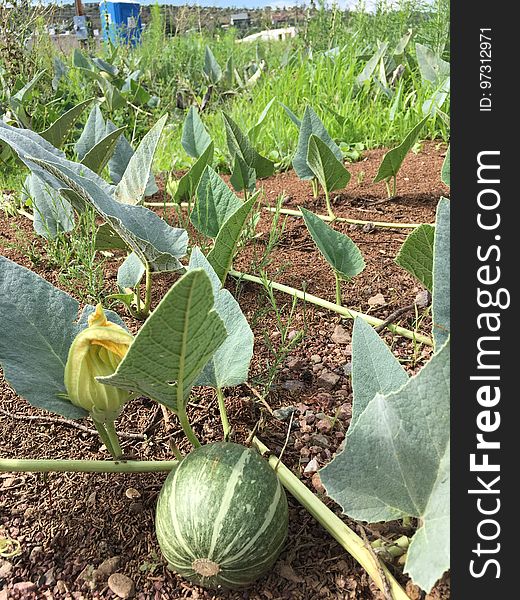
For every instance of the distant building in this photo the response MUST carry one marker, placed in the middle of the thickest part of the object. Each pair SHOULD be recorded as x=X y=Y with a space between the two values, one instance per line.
x=240 y=20
x=281 y=18
x=271 y=35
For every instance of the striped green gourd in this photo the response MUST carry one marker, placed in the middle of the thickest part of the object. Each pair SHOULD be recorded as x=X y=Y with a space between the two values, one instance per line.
x=222 y=516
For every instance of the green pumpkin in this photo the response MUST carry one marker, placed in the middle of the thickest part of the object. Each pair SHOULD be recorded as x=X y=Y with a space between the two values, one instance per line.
x=222 y=516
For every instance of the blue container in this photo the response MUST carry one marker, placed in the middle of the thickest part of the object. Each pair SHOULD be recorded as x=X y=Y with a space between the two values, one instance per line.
x=120 y=22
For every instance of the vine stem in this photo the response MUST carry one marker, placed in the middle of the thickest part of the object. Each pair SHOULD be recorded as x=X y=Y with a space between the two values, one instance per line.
x=114 y=440
x=43 y=465
x=332 y=216
x=185 y=424
x=296 y=213
x=338 y=288
x=105 y=438
x=341 y=310
x=223 y=414
x=352 y=543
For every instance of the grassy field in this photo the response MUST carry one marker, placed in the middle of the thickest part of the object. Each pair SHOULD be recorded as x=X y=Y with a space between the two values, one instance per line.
x=320 y=67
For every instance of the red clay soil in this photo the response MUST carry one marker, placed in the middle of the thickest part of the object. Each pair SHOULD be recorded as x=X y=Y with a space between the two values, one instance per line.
x=70 y=524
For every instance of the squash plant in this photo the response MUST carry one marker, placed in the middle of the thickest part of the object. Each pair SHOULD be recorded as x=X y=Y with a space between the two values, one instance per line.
x=154 y=245
x=183 y=333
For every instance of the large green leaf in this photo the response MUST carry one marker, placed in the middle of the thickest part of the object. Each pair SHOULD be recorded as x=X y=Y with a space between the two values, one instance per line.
x=98 y=156
x=238 y=143
x=370 y=66
x=39 y=323
x=149 y=236
x=195 y=138
x=215 y=204
x=243 y=177
x=395 y=464
x=188 y=183
x=291 y=115
x=130 y=272
x=60 y=71
x=311 y=124
x=175 y=343
x=328 y=170
x=37 y=331
x=446 y=168
x=432 y=67
x=22 y=96
x=80 y=60
x=375 y=370
x=93 y=132
x=230 y=364
x=416 y=254
x=393 y=159
x=224 y=249
x=132 y=187
x=29 y=145
x=120 y=158
x=253 y=133
x=441 y=275
x=57 y=133
x=212 y=69
x=52 y=213
x=338 y=249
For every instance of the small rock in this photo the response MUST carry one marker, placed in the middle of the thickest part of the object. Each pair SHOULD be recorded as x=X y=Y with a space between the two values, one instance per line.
x=3 y=594
x=5 y=569
x=341 y=335
x=295 y=364
x=315 y=358
x=423 y=299
x=91 y=500
x=292 y=334
x=293 y=385
x=29 y=513
x=121 y=585
x=324 y=425
x=24 y=587
x=132 y=493
x=316 y=483
x=61 y=586
x=284 y=413
x=320 y=440
x=328 y=379
x=107 y=567
x=312 y=467
x=35 y=553
x=49 y=577
x=377 y=300
x=368 y=227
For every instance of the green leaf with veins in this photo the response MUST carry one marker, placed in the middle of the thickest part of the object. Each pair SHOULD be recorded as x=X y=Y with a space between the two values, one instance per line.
x=394 y=158
x=416 y=254
x=328 y=170
x=396 y=463
x=338 y=249
x=181 y=335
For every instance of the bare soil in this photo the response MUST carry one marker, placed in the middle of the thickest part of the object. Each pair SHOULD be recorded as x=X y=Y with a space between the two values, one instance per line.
x=69 y=524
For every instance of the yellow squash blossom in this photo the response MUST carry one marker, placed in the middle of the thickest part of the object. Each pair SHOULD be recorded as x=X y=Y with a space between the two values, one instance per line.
x=96 y=351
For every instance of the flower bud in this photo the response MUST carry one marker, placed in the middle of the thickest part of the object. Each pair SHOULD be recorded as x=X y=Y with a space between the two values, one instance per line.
x=96 y=351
